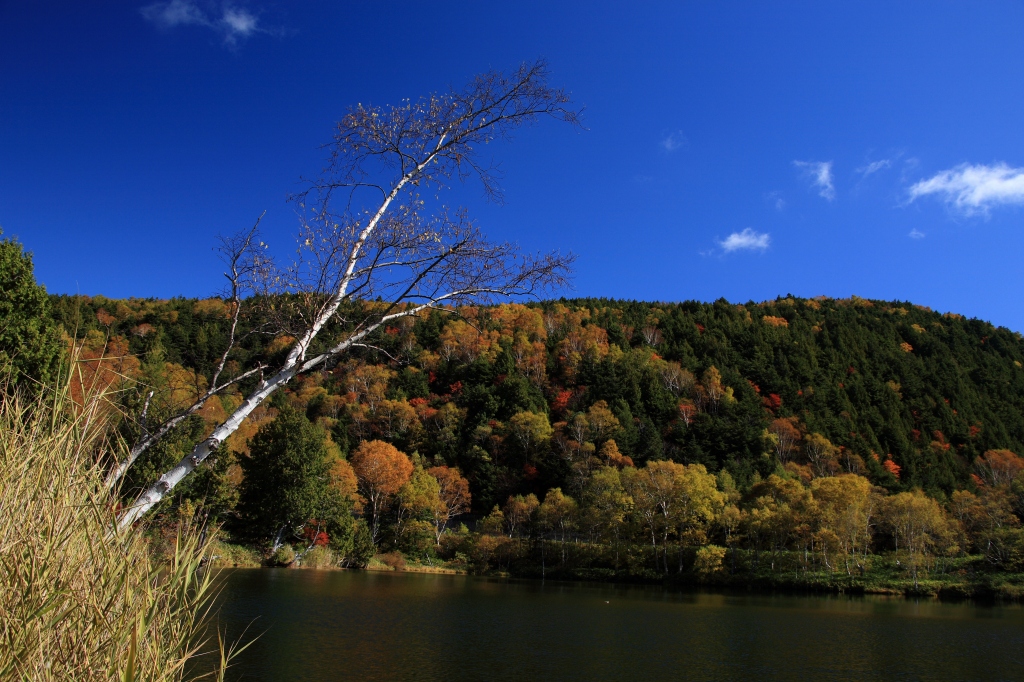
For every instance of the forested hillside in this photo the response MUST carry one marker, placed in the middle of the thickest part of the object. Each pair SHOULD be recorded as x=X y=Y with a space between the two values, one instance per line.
x=520 y=398
x=593 y=438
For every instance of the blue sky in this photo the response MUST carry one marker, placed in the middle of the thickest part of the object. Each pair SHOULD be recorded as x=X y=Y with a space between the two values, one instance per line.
x=731 y=150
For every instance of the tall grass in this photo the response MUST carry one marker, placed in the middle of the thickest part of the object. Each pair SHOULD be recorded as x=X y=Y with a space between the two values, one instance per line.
x=79 y=601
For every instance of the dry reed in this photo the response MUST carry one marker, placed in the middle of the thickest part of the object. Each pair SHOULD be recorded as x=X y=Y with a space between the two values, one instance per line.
x=79 y=601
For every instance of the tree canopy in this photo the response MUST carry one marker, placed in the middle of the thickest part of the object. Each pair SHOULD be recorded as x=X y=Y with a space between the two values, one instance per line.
x=30 y=344
x=286 y=483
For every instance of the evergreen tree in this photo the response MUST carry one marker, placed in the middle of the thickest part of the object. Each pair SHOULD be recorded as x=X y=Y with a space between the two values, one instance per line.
x=286 y=479
x=29 y=338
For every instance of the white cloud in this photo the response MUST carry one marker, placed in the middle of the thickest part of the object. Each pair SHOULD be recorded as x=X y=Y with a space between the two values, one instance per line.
x=775 y=199
x=874 y=167
x=747 y=240
x=820 y=174
x=673 y=141
x=234 y=22
x=916 y=234
x=239 y=22
x=974 y=189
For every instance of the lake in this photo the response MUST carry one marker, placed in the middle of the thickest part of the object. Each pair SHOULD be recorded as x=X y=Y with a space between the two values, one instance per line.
x=335 y=625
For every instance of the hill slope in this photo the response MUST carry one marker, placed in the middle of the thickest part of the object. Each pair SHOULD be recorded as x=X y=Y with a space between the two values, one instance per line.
x=907 y=397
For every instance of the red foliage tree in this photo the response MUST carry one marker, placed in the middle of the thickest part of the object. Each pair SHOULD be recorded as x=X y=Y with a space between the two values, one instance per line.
x=314 y=536
x=892 y=467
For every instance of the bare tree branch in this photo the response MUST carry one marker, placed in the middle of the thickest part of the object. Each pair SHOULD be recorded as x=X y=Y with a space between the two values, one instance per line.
x=386 y=249
x=243 y=262
x=377 y=349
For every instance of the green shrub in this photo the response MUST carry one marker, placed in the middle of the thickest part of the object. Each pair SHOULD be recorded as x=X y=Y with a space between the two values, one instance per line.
x=319 y=557
x=283 y=556
x=708 y=561
x=358 y=549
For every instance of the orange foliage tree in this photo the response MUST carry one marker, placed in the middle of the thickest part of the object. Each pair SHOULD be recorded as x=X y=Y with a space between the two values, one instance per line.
x=343 y=479
x=382 y=470
x=103 y=364
x=454 y=497
x=999 y=467
x=787 y=434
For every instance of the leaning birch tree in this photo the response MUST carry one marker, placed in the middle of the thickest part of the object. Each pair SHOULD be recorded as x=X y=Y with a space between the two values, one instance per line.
x=371 y=250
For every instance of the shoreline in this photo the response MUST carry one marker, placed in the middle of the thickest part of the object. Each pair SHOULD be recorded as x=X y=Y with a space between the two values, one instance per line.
x=934 y=590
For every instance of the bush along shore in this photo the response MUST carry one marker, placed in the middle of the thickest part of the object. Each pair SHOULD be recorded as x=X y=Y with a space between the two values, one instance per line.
x=715 y=567
x=673 y=524
x=708 y=567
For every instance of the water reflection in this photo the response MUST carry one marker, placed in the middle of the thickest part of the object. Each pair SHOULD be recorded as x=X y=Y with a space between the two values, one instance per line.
x=331 y=625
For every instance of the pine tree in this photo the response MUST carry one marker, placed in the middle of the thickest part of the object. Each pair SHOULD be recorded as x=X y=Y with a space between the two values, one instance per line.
x=30 y=346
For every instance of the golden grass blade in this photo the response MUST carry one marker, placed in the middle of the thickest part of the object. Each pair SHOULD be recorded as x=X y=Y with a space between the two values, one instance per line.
x=79 y=600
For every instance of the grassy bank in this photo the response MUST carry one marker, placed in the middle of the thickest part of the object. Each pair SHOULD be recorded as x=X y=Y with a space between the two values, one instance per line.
x=229 y=555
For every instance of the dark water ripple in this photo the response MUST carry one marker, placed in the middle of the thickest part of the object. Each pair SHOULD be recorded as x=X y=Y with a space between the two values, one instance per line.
x=336 y=625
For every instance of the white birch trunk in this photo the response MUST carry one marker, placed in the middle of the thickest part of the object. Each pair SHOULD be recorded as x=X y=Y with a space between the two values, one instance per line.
x=166 y=483
x=291 y=367
x=493 y=103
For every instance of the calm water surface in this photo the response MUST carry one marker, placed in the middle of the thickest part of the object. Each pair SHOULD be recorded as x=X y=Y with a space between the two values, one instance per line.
x=341 y=625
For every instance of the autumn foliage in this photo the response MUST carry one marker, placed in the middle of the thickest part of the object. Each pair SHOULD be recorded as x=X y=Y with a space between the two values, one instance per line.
x=382 y=470
x=999 y=467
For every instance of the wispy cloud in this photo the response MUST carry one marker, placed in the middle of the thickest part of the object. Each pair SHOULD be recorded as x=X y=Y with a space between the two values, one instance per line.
x=175 y=13
x=673 y=141
x=916 y=234
x=233 y=23
x=776 y=200
x=239 y=21
x=820 y=175
x=747 y=240
x=974 y=189
x=874 y=167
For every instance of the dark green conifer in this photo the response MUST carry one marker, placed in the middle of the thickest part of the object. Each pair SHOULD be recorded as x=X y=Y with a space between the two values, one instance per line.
x=30 y=346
